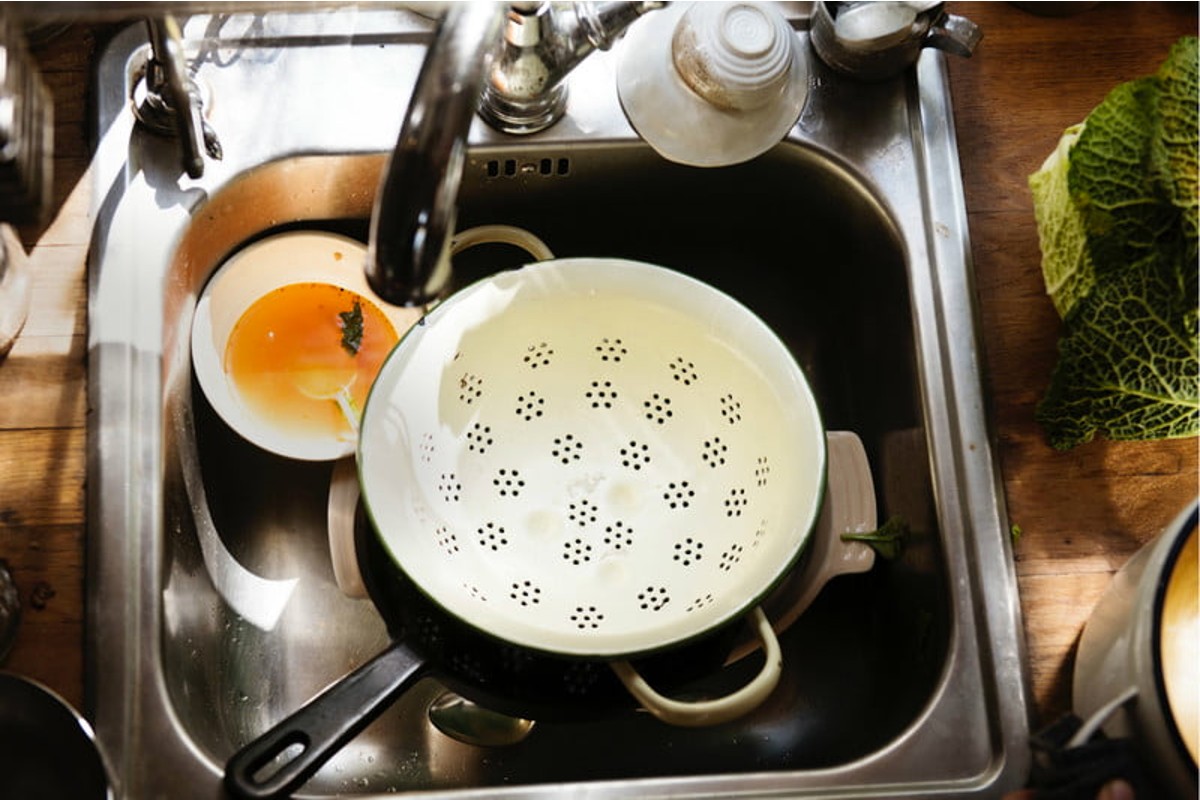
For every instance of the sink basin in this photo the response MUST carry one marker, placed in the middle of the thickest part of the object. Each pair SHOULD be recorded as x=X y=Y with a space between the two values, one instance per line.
x=213 y=607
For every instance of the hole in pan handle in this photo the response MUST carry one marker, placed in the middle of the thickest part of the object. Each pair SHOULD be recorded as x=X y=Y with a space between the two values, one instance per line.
x=718 y=710
x=309 y=737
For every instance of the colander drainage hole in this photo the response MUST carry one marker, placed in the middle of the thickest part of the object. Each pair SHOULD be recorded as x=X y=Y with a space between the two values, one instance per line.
x=658 y=409
x=427 y=629
x=679 y=495
x=735 y=502
x=577 y=552
x=470 y=388
x=635 y=456
x=731 y=409
x=688 y=552
x=587 y=618
x=617 y=536
x=714 y=452
x=479 y=438
x=508 y=483
x=762 y=470
x=427 y=448
x=446 y=540
x=654 y=598
x=731 y=557
x=579 y=677
x=450 y=488
x=684 y=371
x=538 y=355
x=601 y=395
x=582 y=513
x=525 y=593
x=611 y=350
x=567 y=449
x=530 y=406
x=492 y=536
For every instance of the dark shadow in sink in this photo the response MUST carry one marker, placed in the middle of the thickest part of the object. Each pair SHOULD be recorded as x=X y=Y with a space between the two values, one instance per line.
x=792 y=235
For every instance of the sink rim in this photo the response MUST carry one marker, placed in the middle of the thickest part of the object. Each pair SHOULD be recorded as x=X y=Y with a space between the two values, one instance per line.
x=122 y=415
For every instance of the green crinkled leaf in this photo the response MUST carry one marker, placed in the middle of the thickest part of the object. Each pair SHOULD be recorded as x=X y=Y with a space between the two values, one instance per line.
x=1116 y=183
x=1129 y=367
x=1116 y=209
x=1176 y=136
x=1066 y=263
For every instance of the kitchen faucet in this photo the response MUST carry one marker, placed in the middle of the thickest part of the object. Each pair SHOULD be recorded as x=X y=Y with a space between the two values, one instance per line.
x=168 y=101
x=506 y=61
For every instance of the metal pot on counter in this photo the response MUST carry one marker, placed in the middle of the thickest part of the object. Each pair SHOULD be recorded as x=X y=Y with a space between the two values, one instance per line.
x=1136 y=667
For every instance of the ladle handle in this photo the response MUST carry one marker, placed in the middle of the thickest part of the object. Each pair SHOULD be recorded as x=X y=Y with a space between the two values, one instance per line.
x=321 y=727
x=719 y=710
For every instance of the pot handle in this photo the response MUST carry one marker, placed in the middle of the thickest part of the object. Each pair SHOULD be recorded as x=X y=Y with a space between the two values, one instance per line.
x=721 y=709
x=1101 y=716
x=321 y=726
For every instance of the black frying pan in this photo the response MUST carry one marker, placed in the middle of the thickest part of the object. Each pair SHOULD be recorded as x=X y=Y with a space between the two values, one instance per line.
x=427 y=641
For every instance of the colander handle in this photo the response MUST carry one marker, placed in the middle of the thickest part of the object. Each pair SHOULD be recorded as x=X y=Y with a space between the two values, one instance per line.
x=718 y=710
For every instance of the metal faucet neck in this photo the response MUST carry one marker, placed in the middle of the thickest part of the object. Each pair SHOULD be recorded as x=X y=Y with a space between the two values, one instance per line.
x=414 y=214
x=507 y=60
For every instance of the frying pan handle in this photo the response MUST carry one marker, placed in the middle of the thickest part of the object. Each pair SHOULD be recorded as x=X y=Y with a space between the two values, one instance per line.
x=721 y=709
x=321 y=726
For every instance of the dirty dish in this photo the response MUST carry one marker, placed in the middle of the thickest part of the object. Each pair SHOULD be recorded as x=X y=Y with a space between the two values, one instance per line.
x=713 y=84
x=287 y=338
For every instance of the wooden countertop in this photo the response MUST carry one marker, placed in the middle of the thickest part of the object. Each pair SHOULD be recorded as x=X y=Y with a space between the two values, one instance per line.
x=1083 y=512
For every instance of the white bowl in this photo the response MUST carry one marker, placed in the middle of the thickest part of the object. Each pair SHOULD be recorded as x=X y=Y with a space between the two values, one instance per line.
x=285 y=259
x=712 y=84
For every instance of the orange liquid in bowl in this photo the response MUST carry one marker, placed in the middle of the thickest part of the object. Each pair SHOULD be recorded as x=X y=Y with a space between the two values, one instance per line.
x=287 y=360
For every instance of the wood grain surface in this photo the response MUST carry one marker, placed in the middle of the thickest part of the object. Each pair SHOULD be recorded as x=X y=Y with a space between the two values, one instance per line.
x=1082 y=512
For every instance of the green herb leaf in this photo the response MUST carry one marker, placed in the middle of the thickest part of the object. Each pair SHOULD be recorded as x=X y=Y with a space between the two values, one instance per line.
x=352 y=328
x=887 y=541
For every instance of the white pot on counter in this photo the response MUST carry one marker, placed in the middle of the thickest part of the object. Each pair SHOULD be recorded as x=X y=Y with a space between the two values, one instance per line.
x=1137 y=671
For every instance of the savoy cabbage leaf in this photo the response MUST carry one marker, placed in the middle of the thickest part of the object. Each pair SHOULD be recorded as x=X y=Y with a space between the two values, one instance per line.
x=1116 y=211
x=1066 y=264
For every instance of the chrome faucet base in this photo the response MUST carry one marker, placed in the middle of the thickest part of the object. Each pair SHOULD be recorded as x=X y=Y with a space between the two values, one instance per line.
x=521 y=118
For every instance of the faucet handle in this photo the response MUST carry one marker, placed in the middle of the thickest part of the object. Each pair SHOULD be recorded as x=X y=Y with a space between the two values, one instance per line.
x=172 y=103
x=543 y=42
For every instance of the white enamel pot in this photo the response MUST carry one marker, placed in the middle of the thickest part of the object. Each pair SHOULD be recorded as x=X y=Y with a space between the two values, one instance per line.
x=597 y=459
x=1136 y=667
x=594 y=461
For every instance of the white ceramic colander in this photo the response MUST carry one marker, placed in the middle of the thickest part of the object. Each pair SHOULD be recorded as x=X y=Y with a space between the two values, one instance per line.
x=597 y=458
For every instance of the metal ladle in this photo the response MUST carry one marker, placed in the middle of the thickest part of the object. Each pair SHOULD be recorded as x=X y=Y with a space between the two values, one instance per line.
x=470 y=723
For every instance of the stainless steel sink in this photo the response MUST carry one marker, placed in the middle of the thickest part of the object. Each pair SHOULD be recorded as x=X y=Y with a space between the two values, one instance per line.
x=212 y=605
